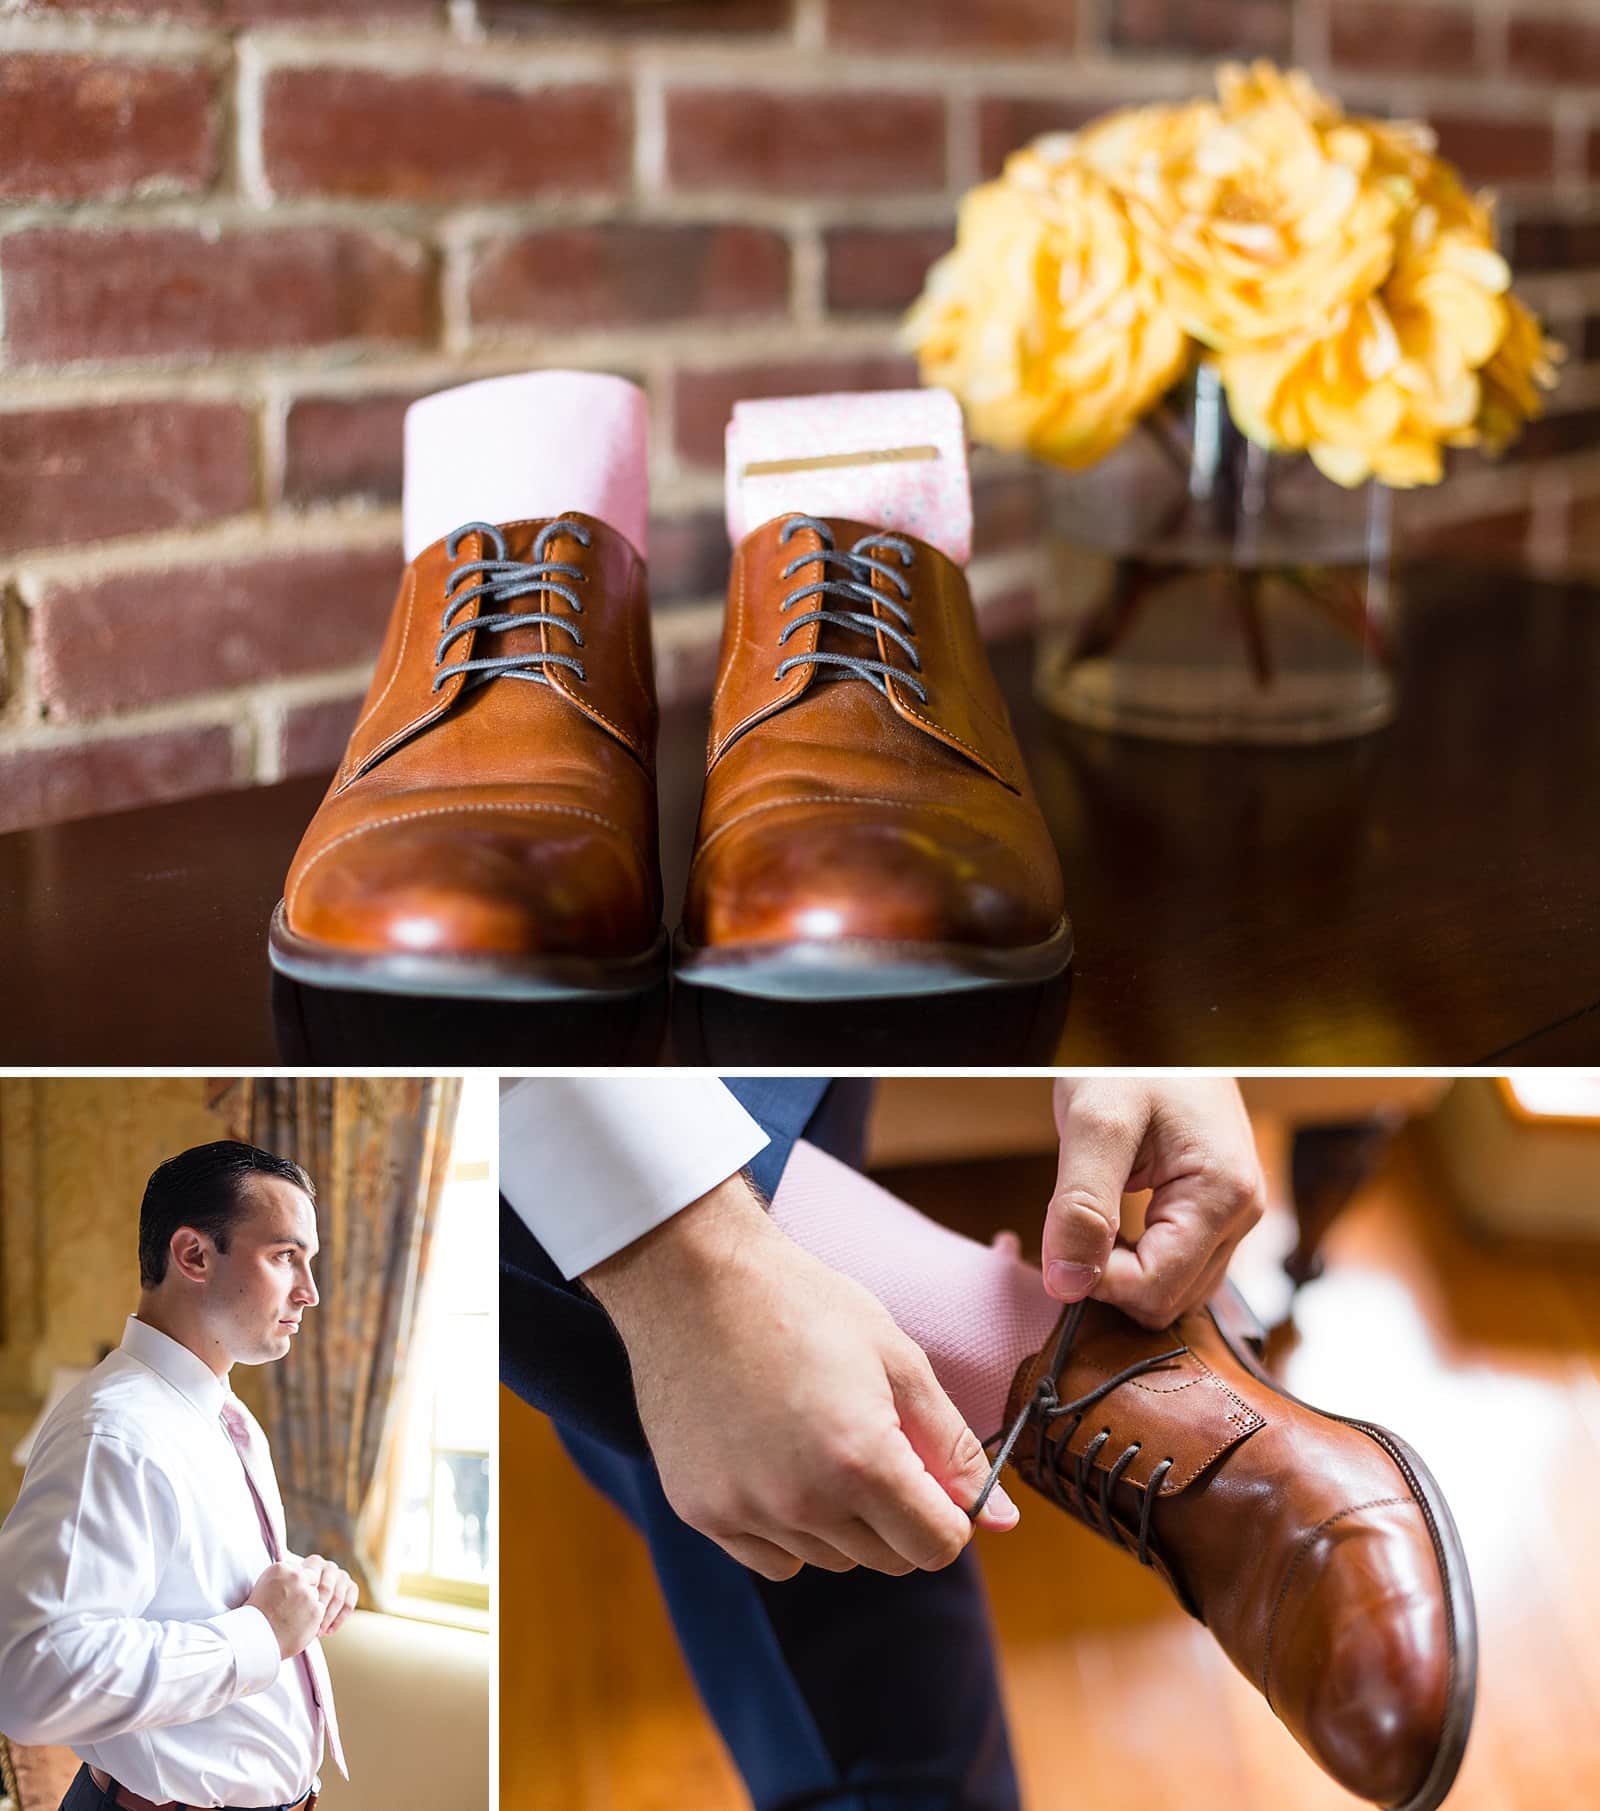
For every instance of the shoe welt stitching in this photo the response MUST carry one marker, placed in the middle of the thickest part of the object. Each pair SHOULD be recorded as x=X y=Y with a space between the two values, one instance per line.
x=738 y=632
x=1304 y=1547
x=940 y=729
x=405 y=817
x=399 y=659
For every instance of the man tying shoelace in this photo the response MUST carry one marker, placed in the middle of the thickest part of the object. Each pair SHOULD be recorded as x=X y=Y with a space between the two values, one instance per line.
x=793 y=1384
x=151 y=1615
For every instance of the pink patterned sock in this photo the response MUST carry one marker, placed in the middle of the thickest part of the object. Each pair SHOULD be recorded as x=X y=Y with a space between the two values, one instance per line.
x=976 y=1310
x=535 y=444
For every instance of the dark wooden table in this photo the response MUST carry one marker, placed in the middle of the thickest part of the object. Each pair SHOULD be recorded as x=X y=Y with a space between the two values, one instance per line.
x=1429 y=895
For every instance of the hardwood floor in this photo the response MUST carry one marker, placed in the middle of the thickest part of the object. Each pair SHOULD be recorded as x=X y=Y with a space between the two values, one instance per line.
x=1488 y=1361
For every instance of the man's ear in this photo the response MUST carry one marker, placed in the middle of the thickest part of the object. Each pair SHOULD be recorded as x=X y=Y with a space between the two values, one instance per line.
x=191 y=1254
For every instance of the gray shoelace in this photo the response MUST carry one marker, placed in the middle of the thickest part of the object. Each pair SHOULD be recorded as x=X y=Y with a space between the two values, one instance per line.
x=1058 y=1422
x=499 y=581
x=853 y=585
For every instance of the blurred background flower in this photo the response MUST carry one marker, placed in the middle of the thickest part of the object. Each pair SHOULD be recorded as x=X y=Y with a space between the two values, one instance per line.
x=1333 y=268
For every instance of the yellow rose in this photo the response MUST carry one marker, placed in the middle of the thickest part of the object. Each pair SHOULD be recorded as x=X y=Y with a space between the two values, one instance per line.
x=1524 y=362
x=1043 y=320
x=1401 y=374
x=1262 y=215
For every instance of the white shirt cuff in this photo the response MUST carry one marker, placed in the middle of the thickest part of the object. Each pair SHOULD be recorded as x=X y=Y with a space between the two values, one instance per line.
x=591 y=1163
x=255 y=1648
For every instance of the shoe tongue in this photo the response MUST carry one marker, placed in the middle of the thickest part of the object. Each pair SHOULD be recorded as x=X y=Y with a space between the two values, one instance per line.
x=520 y=641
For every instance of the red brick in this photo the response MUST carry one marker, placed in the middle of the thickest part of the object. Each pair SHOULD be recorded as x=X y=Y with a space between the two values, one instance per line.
x=1002 y=614
x=1550 y=436
x=1425 y=40
x=1554 y=50
x=115 y=644
x=314 y=735
x=684 y=18
x=996 y=25
x=82 y=474
x=1497 y=150
x=51 y=785
x=880 y=270
x=623 y=275
x=165 y=292
x=1583 y=535
x=441 y=138
x=1007 y=511
x=245 y=12
x=1006 y=123
x=689 y=557
x=340 y=446
x=804 y=144
x=686 y=666
x=1555 y=244
x=1233 y=28
x=75 y=127
x=703 y=400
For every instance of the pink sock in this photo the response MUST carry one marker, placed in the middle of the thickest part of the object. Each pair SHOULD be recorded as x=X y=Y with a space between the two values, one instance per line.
x=896 y=459
x=976 y=1310
x=537 y=444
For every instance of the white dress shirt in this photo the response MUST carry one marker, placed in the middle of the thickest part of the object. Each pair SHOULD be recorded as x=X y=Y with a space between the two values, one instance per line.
x=123 y=1573
x=591 y=1163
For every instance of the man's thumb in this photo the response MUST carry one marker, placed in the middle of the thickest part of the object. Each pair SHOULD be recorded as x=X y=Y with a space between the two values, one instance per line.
x=1080 y=1226
x=949 y=1450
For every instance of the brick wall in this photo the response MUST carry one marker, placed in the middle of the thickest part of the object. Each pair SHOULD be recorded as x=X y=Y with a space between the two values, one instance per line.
x=237 y=236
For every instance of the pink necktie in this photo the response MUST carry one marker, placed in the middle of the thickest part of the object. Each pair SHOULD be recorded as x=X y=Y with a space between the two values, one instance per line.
x=314 y=1669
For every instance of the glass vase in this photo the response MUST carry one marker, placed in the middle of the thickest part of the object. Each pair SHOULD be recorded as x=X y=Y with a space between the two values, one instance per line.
x=1206 y=590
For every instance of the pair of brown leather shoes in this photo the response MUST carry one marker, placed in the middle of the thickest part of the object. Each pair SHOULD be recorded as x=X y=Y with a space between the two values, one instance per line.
x=1316 y=1548
x=867 y=825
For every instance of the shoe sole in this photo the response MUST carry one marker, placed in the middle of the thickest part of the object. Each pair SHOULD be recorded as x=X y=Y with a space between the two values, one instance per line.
x=860 y=968
x=316 y=964
x=1241 y=1331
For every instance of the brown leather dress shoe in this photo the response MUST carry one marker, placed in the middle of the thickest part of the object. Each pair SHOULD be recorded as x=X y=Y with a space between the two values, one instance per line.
x=867 y=825
x=1317 y=1549
x=492 y=828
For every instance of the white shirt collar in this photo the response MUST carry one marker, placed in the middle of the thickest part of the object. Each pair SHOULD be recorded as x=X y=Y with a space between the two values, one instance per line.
x=188 y=1373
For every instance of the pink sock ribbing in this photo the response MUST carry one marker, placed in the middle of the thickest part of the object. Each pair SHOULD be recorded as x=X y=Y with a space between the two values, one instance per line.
x=976 y=1310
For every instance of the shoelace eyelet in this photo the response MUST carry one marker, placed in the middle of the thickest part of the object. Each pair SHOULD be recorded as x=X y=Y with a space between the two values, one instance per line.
x=500 y=580
x=853 y=586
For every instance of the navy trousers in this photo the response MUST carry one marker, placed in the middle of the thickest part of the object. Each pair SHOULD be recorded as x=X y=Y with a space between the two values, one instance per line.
x=850 y=1691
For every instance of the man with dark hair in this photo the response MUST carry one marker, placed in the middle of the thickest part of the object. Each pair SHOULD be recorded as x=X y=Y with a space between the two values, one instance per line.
x=151 y=1617
x=207 y=1188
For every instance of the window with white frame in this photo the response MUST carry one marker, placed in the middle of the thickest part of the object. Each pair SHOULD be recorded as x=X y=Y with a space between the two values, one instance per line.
x=440 y=1543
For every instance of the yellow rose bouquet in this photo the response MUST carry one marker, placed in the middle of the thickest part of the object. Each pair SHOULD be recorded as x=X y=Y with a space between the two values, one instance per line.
x=1331 y=270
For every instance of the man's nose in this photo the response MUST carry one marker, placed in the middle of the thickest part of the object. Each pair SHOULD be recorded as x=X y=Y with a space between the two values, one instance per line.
x=306 y=1290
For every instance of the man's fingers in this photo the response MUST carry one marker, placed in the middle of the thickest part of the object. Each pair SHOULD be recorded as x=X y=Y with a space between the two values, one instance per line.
x=818 y=1550
x=760 y=1556
x=951 y=1454
x=1100 y=1139
x=867 y=1548
x=1155 y=1280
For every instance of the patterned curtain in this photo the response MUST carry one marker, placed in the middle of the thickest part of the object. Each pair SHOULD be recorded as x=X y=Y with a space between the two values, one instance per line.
x=378 y=1151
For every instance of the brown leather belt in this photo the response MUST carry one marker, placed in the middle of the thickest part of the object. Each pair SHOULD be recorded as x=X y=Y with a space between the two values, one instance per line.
x=131 y=1801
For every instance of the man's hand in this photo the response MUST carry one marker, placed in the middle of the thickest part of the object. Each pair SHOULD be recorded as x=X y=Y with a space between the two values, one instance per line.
x=293 y=1599
x=1188 y=1142
x=790 y=1419
x=337 y=1587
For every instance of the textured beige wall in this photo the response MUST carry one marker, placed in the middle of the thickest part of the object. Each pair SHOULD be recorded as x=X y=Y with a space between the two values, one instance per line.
x=74 y=1158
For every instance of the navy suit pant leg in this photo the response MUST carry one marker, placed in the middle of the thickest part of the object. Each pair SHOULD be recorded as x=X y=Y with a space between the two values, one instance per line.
x=833 y=1691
